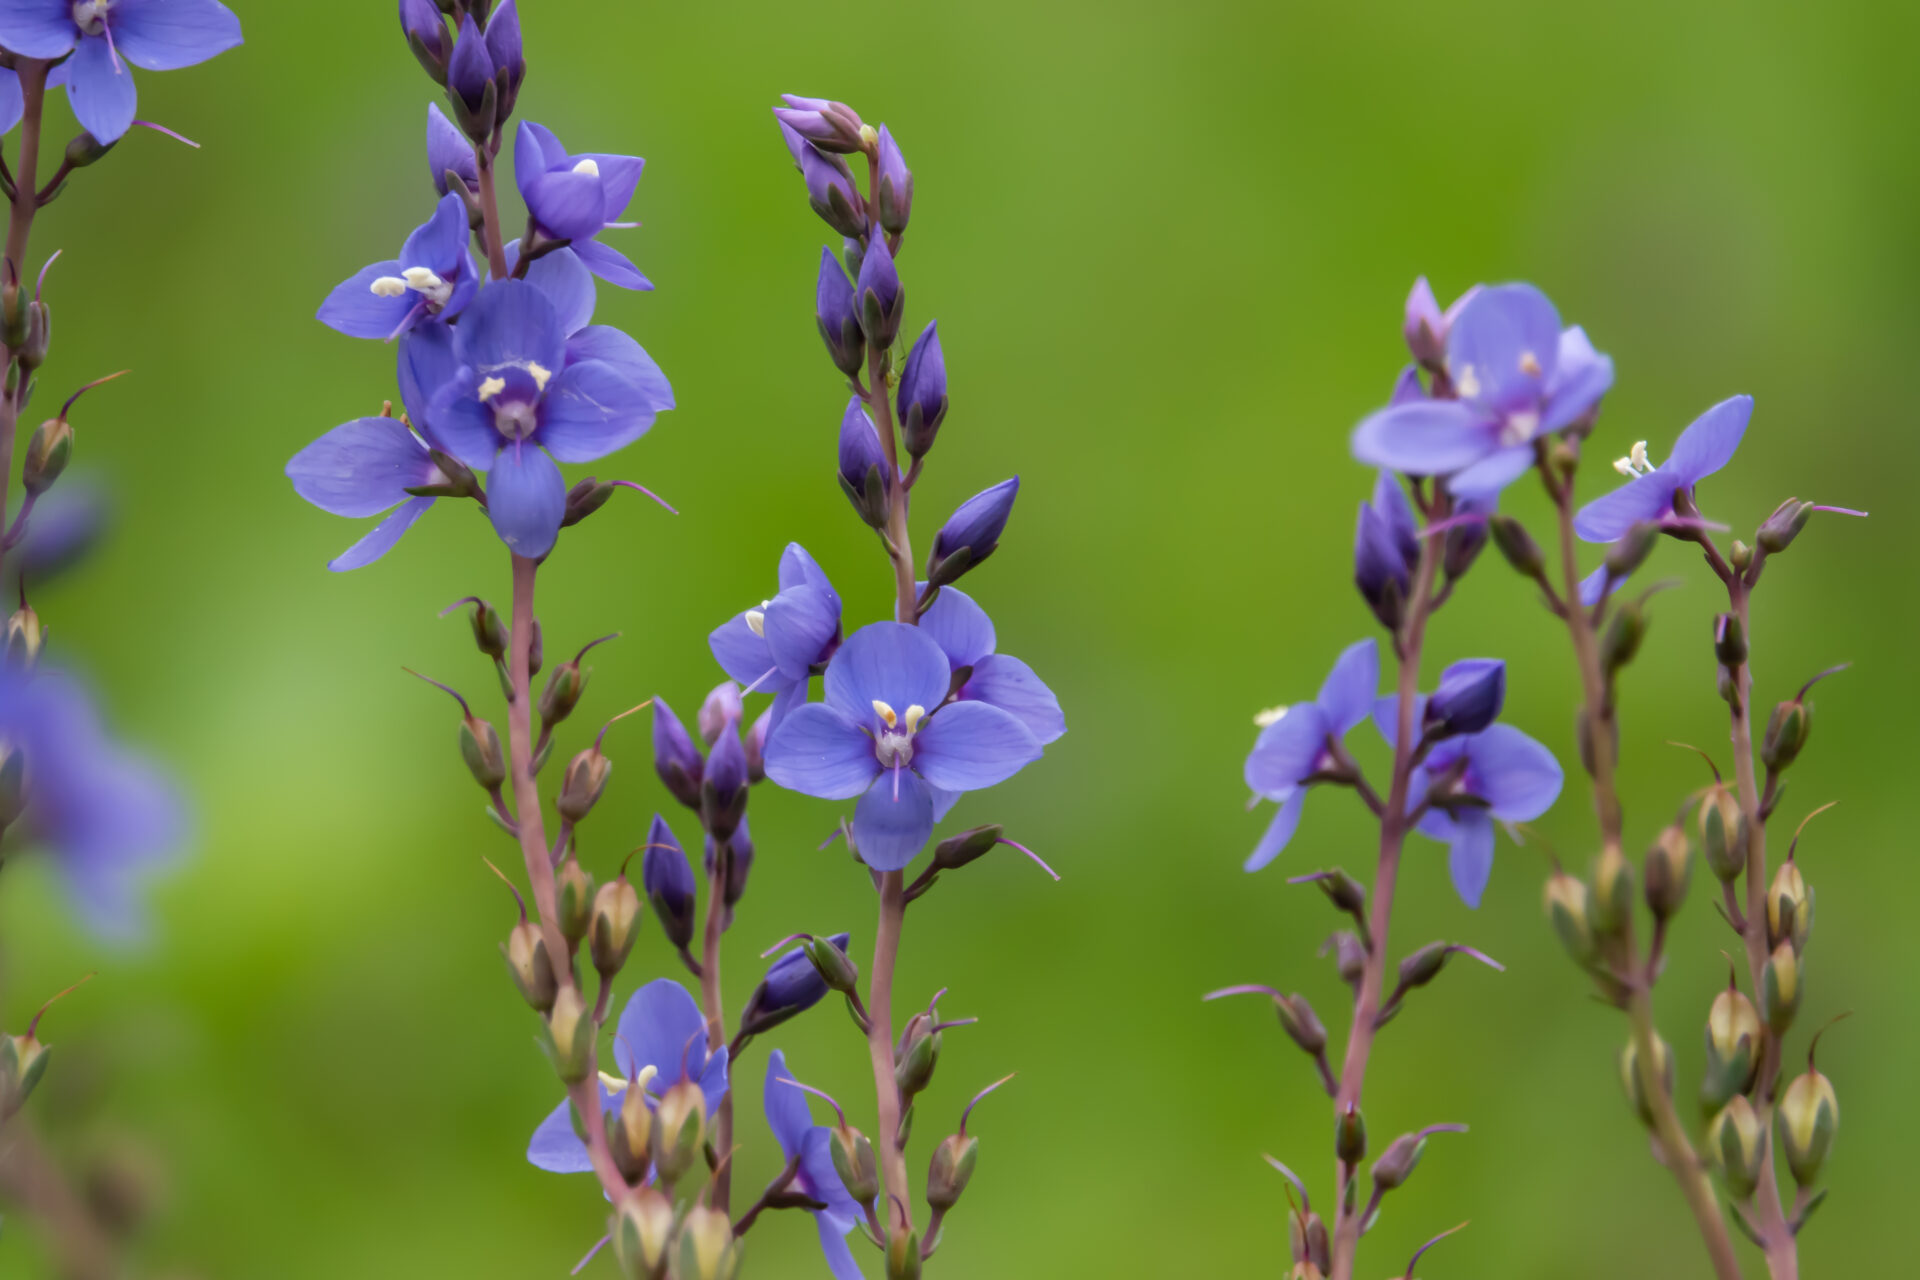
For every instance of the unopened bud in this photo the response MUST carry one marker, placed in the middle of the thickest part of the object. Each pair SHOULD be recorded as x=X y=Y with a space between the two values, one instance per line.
x=1517 y=545
x=1729 y=640
x=573 y=889
x=1784 y=525
x=1424 y=965
x=480 y=748
x=832 y=963
x=903 y=1254
x=680 y=1127
x=720 y=711
x=1301 y=1024
x=48 y=453
x=723 y=788
x=667 y=877
x=1397 y=1163
x=957 y=851
x=1350 y=957
x=853 y=1160
x=1350 y=1136
x=1737 y=1143
x=1632 y=550
x=642 y=1231
x=569 y=1038
x=85 y=149
x=1809 y=1118
x=1635 y=1087
x=630 y=1132
x=1567 y=909
x=489 y=629
x=616 y=923
x=675 y=758
x=1780 y=987
x=1723 y=833
x=530 y=966
x=1740 y=556
x=1787 y=730
x=755 y=744
x=562 y=694
x=586 y=778
x=1669 y=869
x=919 y=1054
x=1734 y=1042
x=708 y=1250
x=1623 y=637
x=951 y=1169
x=1789 y=907
x=1610 y=907
x=23 y=1061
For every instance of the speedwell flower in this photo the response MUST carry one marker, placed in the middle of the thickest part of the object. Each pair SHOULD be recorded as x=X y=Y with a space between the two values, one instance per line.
x=1703 y=448
x=1295 y=742
x=576 y=197
x=809 y=1146
x=435 y=277
x=888 y=734
x=775 y=646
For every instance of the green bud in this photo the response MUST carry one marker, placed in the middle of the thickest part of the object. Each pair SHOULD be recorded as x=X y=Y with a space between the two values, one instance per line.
x=1669 y=869
x=1723 y=833
x=680 y=1130
x=85 y=149
x=586 y=778
x=1397 y=1163
x=490 y=633
x=480 y=748
x=642 y=1231
x=1517 y=545
x=616 y=923
x=951 y=1170
x=1610 y=907
x=1789 y=907
x=1737 y=1142
x=1632 y=550
x=1809 y=1117
x=903 y=1255
x=1784 y=525
x=23 y=1061
x=569 y=1036
x=630 y=1133
x=48 y=453
x=1630 y=1076
x=1735 y=1038
x=531 y=967
x=1787 y=730
x=1624 y=634
x=957 y=851
x=853 y=1160
x=1740 y=555
x=562 y=694
x=919 y=1052
x=573 y=888
x=708 y=1248
x=1566 y=904
x=833 y=965
x=1780 y=987
x=1301 y=1023
x=1350 y=1136
x=1424 y=965
x=1350 y=955
x=1344 y=892
x=1729 y=640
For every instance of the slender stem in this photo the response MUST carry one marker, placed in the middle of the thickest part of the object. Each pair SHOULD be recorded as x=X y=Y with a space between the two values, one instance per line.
x=1601 y=747
x=29 y=1178
x=1783 y=1260
x=899 y=538
x=886 y=947
x=585 y=1095
x=33 y=90
x=1393 y=832
x=490 y=232
x=711 y=1000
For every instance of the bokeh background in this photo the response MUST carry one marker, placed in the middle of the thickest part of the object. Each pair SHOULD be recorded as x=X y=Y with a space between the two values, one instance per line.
x=1167 y=246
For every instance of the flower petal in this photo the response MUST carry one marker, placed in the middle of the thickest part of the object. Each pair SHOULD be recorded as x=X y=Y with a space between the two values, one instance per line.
x=556 y=1147
x=968 y=746
x=887 y=662
x=608 y=344
x=353 y=308
x=100 y=90
x=1583 y=376
x=819 y=751
x=1504 y=346
x=360 y=468
x=1487 y=477
x=656 y=1027
x=798 y=568
x=1709 y=441
x=592 y=410
x=526 y=499
x=893 y=819
x=959 y=626
x=1347 y=696
x=1607 y=518
x=382 y=539
x=1470 y=858
x=165 y=35
x=1516 y=776
x=800 y=623
x=713 y=1070
x=786 y=1106
x=511 y=323
x=744 y=655
x=1279 y=831
x=1428 y=438
x=619 y=178
x=611 y=265
x=458 y=423
x=566 y=204
x=1286 y=750
x=426 y=363
x=1386 y=716
x=833 y=1243
x=38 y=28
x=1010 y=684
x=566 y=282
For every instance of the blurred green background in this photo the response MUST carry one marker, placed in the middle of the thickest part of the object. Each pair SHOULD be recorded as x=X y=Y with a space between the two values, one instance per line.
x=1167 y=246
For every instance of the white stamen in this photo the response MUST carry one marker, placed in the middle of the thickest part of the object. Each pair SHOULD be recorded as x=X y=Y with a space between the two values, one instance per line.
x=1519 y=428
x=1625 y=467
x=388 y=287
x=540 y=373
x=423 y=279
x=757 y=623
x=915 y=714
x=491 y=388
x=1466 y=382
x=1529 y=364
x=1636 y=463
x=618 y=1084
x=1270 y=717
x=885 y=712
x=588 y=166
x=1639 y=455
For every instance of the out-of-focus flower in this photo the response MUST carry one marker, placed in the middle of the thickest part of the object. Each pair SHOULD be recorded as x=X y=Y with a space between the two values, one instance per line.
x=1294 y=743
x=810 y=1147
x=1707 y=445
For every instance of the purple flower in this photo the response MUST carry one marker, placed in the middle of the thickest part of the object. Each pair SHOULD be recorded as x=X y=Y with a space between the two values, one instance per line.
x=894 y=194
x=838 y=317
x=67 y=524
x=888 y=734
x=361 y=469
x=923 y=393
x=1498 y=773
x=810 y=1146
x=975 y=528
x=504 y=50
x=515 y=404
x=1295 y=742
x=882 y=300
x=426 y=29
x=1703 y=448
x=470 y=74
x=1467 y=699
x=667 y=879
x=1386 y=546
x=965 y=633
x=435 y=277
x=1426 y=326
x=159 y=35
x=448 y=149
x=107 y=816
x=833 y=126
x=661 y=1028
x=575 y=197
x=776 y=646
x=791 y=987
x=1518 y=376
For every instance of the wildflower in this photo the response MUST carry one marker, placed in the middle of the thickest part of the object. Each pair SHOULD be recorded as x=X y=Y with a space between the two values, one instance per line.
x=965 y=633
x=775 y=646
x=810 y=1147
x=435 y=277
x=576 y=197
x=1295 y=742
x=1706 y=445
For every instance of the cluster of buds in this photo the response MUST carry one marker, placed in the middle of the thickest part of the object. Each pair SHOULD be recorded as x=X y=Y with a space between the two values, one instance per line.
x=715 y=785
x=480 y=62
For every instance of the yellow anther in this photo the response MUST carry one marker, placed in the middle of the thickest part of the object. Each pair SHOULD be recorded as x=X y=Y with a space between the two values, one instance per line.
x=885 y=712
x=541 y=375
x=1271 y=716
x=1466 y=382
x=1639 y=455
x=491 y=388
x=423 y=279
x=1529 y=364
x=915 y=714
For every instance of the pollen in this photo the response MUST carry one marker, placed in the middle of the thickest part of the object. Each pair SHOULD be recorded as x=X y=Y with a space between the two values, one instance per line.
x=1271 y=716
x=423 y=279
x=588 y=166
x=541 y=375
x=1529 y=364
x=885 y=712
x=388 y=287
x=1639 y=455
x=915 y=714
x=1636 y=463
x=491 y=388
x=1466 y=382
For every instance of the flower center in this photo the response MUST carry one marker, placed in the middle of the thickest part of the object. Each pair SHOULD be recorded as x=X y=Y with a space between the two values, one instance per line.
x=893 y=745
x=1518 y=428
x=513 y=393
x=1466 y=382
x=422 y=280
x=91 y=16
x=1636 y=463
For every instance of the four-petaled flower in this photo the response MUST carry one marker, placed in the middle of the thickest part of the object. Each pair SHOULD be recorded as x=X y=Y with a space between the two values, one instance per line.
x=661 y=1040
x=889 y=734
x=1518 y=376
x=775 y=646
x=576 y=197
x=1703 y=448
x=105 y=35
x=435 y=277
x=1295 y=743
x=964 y=631
x=809 y=1147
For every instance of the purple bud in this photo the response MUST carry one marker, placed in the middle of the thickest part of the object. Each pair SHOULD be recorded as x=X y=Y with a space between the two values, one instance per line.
x=1425 y=328
x=503 y=46
x=739 y=863
x=882 y=300
x=1380 y=567
x=894 y=192
x=756 y=745
x=833 y=307
x=863 y=465
x=1467 y=538
x=675 y=758
x=723 y=789
x=830 y=125
x=923 y=393
x=971 y=533
x=426 y=33
x=1468 y=698
x=792 y=986
x=471 y=71
x=830 y=188
x=1391 y=505
x=667 y=879
x=448 y=150
x=721 y=711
